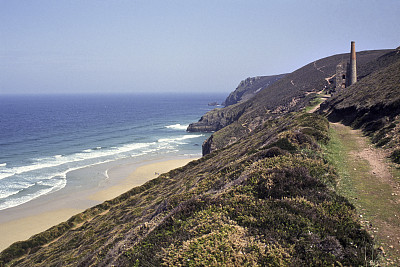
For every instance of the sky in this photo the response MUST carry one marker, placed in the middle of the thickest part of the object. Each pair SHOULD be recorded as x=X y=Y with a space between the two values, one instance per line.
x=132 y=46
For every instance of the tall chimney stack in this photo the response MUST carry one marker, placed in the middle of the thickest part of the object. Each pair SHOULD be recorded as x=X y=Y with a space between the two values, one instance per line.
x=353 y=68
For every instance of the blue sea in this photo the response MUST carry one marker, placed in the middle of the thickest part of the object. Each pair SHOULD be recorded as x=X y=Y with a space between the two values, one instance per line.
x=44 y=137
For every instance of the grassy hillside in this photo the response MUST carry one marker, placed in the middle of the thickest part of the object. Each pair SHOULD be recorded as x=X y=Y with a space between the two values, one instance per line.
x=268 y=199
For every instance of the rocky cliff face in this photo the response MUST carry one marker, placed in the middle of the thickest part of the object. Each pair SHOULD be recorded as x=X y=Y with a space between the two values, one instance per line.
x=216 y=119
x=249 y=88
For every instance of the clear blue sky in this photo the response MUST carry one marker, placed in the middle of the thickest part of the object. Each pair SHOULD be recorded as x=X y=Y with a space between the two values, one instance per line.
x=88 y=46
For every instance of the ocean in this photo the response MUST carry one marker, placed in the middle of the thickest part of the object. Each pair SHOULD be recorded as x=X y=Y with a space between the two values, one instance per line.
x=45 y=137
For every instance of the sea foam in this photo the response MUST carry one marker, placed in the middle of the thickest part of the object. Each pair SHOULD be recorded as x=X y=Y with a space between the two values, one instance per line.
x=50 y=172
x=177 y=126
x=180 y=138
x=58 y=160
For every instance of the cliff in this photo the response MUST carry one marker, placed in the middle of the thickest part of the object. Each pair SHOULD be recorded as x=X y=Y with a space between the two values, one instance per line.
x=217 y=119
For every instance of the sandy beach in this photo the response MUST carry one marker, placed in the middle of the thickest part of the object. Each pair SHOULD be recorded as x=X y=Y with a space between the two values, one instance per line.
x=21 y=222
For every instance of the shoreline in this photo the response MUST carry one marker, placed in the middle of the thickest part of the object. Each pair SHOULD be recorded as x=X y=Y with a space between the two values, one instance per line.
x=23 y=221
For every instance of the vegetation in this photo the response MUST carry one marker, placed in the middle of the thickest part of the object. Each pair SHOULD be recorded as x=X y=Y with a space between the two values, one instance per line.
x=264 y=194
x=267 y=199
x=395 y=156
x=313 y=103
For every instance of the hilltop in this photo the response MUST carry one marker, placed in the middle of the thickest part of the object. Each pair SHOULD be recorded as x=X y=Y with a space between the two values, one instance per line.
x=265 y=192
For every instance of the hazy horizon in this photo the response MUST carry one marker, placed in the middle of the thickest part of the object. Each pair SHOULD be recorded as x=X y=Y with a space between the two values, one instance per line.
x=89 y=47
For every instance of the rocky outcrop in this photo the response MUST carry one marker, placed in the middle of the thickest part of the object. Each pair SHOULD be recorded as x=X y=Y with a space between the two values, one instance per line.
x=208 y=146
x=235 y=104
x=249 y=88
x=216 y=119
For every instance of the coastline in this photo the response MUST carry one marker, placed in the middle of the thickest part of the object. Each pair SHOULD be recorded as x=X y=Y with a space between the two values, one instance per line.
x=21 y=222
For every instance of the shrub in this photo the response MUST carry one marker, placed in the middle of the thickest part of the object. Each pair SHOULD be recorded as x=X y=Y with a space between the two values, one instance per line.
x=318 y=135
x=396 y=156
x=383 y=141
x=283 y=143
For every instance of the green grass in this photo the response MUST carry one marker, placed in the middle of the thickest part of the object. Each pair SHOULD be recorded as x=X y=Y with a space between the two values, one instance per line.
x=335 y=153
x=313 y=103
